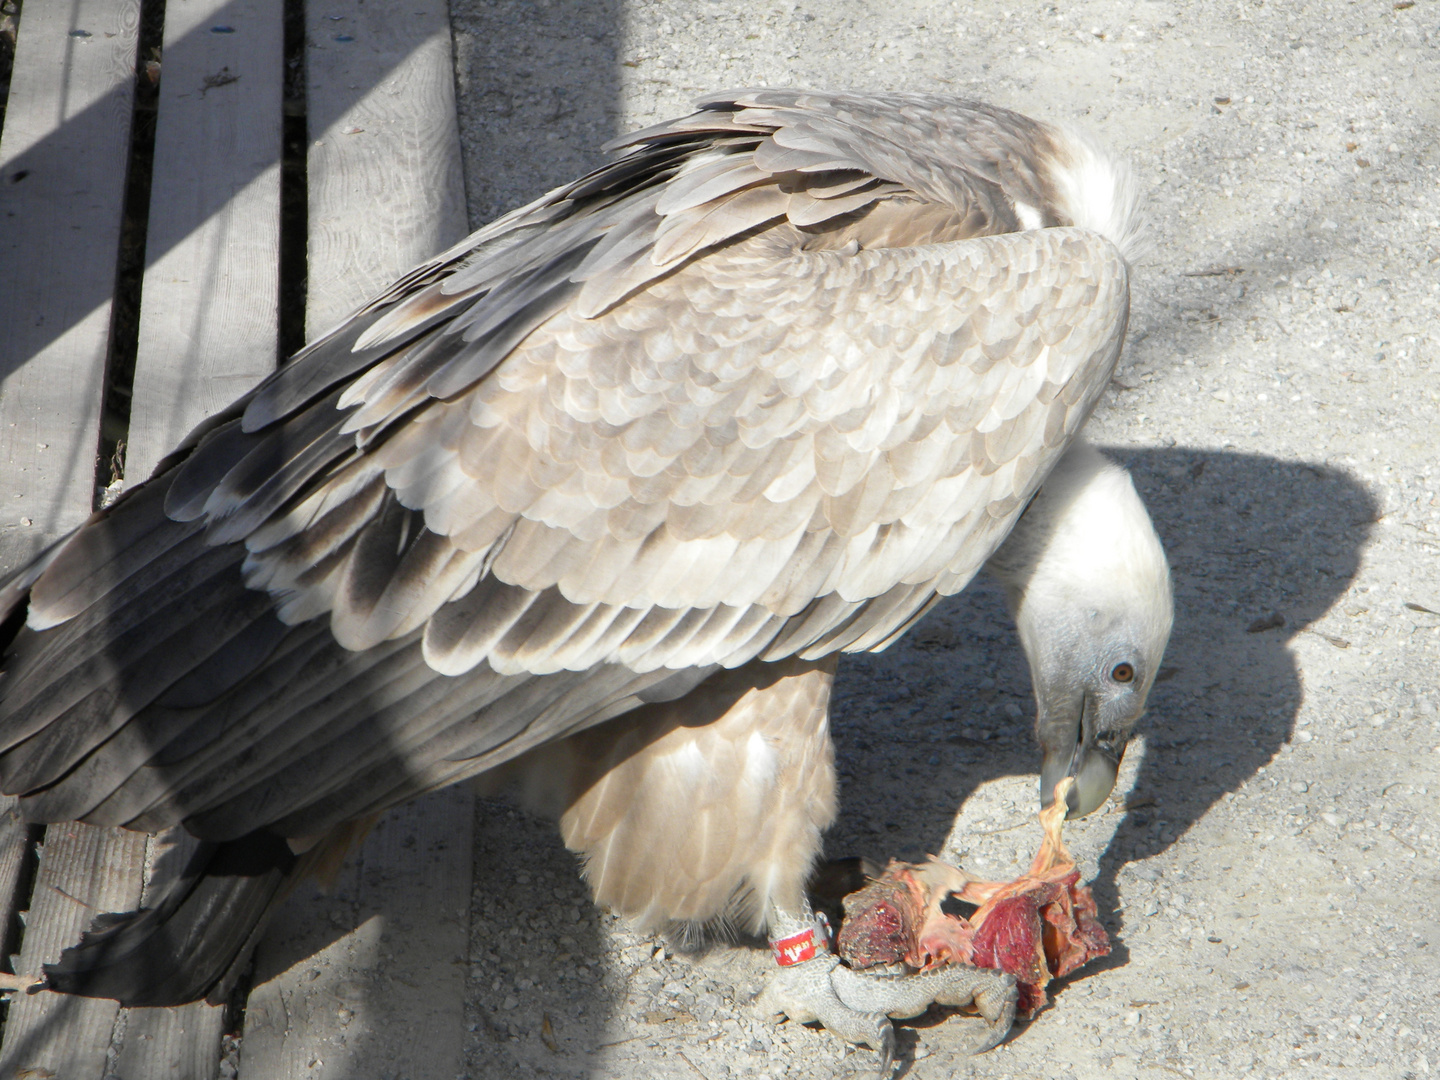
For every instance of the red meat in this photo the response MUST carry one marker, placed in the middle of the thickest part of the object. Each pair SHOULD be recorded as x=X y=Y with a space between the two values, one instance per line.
x=1040 y=926
x=897 y=917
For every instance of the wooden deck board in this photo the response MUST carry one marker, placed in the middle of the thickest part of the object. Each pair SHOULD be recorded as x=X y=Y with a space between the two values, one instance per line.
x=170 y=1044
x=385 y=192
x=62 y=182
x=174 y=1044
x=83 y=871
x=384 y=172
x=367 y=981
x=63 y=160
x=209 y=319
x=14 y=848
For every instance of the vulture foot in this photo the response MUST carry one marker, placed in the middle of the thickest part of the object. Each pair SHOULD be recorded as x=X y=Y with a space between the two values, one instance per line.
x=902 y=996
x=812 y=984
x=857 y=1006
x=812 y=991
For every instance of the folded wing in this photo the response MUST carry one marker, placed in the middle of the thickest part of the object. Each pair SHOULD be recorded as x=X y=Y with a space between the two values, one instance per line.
x=765 y=386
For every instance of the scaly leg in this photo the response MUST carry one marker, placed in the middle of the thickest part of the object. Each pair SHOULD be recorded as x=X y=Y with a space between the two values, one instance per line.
x=812 y=984
x=804 y=990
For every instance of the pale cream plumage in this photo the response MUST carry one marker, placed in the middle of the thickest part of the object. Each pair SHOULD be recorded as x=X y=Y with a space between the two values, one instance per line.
x=758 y=392
x=686 y=798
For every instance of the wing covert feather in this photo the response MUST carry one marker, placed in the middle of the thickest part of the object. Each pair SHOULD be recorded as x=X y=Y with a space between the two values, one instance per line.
x=908 y=416
x=764 y=386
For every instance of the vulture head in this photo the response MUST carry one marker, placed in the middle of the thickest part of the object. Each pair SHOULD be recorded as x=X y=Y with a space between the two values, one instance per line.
x=1089 y=588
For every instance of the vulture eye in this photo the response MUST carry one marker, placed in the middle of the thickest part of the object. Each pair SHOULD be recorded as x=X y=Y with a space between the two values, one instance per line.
x=1122 y=673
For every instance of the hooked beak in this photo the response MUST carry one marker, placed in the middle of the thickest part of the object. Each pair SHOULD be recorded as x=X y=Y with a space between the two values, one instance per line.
x=1093 y=766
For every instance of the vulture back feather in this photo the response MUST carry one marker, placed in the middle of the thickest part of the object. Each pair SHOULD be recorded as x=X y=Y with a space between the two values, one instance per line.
x=765 y=386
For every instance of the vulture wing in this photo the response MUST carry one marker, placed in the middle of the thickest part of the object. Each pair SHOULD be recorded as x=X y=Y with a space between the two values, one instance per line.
x=764 y=386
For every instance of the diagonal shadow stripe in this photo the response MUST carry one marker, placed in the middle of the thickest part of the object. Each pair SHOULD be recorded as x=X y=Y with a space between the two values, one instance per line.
x=39 y=175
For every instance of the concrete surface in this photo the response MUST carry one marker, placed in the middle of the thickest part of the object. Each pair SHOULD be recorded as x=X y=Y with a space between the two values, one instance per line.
x=1272 y=887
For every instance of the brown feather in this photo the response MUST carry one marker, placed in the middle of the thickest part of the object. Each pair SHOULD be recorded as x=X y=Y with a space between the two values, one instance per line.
x=764 y=386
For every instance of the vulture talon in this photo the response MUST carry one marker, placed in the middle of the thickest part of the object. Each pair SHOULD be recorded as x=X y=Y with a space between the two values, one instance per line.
x=993 y=993
x=806 y=992
x=887 y=1052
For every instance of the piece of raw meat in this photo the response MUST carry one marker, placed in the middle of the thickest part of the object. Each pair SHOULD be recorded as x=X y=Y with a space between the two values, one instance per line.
x=1040 y=926
x=897 y=917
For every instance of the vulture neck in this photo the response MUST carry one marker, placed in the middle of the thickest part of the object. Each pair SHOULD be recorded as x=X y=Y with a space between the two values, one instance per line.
x=1085 y=573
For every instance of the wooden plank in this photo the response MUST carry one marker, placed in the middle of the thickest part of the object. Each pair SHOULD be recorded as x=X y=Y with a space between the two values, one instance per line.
x=14 y=848
x=209 y=325
x=63 y=163
x=385 y=191
x=210 y=315
x=208 y=332
x=69 y=1037
x=181 y=1043
x=384 y=174
x=312 y=968
x=83 y=871
x=173 y=1044
x=62 y=177
x=367 y=982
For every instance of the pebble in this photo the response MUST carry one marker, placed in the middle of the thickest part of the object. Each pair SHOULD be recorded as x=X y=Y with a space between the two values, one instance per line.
x=1334 y=820
x=1299 y=787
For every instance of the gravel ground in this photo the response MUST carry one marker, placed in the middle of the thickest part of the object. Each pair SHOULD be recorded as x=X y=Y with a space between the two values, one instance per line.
x=1267 y=865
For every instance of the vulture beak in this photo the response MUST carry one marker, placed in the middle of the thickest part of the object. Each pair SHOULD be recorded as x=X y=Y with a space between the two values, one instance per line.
x=1093 y=762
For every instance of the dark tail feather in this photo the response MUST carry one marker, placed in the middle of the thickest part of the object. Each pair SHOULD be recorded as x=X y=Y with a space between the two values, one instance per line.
x=195 y=942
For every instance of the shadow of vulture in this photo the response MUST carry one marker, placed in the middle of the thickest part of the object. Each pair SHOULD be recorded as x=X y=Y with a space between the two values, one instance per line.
x=918 y=729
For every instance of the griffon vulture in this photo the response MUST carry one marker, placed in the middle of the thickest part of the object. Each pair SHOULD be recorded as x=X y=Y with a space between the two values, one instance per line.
x=596 y=498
